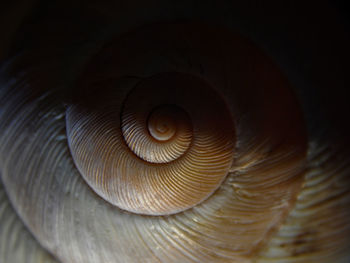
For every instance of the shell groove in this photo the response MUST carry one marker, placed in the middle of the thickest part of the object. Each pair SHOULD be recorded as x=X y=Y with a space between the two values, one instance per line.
x=232 y=225
x=179 y=172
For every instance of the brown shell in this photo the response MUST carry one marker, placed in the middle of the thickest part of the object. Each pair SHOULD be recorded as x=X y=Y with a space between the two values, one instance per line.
x=177 y=142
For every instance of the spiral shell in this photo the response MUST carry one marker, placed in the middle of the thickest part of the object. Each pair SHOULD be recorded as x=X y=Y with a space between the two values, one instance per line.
x=184 y=150
x=177 y=124
x=175 y=142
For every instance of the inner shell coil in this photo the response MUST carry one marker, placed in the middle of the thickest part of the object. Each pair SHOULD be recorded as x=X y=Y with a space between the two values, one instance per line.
x=164 y=148
x=157 y=136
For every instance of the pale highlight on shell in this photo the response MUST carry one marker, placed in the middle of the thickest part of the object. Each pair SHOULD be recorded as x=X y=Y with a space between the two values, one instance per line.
x=179 y=142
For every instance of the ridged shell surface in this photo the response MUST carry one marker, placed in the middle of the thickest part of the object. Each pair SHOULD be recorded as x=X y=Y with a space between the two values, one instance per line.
x=184 y=149
x=166 y=142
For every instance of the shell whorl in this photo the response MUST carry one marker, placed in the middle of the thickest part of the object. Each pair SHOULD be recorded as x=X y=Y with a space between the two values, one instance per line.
x=157 y=137
x=145 y=106
x=285 y=197
x=160 y=151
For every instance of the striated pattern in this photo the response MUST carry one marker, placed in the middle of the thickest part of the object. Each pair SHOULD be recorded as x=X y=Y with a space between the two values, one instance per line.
x=282 y=197
x=111 y=167
x=264 y=152
x=160 y=136
x=16 y=243
x=225 y=228
x=317 y=229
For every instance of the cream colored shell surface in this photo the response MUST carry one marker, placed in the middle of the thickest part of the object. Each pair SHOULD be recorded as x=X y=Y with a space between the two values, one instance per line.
x=77 y=163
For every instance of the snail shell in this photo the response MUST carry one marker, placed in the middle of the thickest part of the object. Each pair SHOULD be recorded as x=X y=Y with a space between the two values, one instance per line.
x=181 y=143
x=182 y=155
